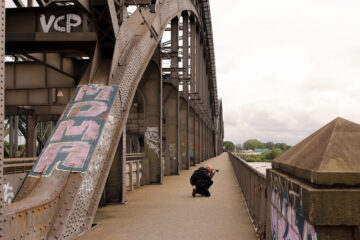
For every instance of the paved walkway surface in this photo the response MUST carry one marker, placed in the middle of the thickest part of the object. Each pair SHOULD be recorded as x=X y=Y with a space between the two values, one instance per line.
x=168 y=211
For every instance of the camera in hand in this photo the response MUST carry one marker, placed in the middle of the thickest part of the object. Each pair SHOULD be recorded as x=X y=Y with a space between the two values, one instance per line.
x=217 y=170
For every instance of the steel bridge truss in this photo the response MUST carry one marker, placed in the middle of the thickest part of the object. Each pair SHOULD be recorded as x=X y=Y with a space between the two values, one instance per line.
x=96 y=101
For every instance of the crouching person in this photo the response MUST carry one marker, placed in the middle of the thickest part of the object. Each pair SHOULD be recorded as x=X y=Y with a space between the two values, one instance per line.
x=202 y=180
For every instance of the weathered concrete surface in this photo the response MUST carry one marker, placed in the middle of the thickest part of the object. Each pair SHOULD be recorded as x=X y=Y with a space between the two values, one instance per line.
x=169 y=211
x=330 y=156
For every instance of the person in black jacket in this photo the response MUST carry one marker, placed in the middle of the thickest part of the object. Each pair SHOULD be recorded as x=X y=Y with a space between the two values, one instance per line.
x=202 y=180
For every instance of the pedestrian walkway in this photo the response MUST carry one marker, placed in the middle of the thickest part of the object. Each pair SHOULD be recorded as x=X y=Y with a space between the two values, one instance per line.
x=168 y=211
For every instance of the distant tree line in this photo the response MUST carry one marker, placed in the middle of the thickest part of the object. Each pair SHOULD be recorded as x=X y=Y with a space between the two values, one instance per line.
x=229 y=146
x=253 y=143
x=275 y=149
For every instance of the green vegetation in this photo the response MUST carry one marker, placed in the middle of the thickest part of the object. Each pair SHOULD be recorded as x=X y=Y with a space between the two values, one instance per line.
x=229 y=146
x=267 y=156
x=275 y=150
x=253 y=143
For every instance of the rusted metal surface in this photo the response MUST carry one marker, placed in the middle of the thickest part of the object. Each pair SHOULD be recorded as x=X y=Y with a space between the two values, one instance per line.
x=2 y=107
x=253 y=185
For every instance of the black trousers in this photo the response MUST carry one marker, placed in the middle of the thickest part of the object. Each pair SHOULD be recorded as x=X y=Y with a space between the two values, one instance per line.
x=203 y=189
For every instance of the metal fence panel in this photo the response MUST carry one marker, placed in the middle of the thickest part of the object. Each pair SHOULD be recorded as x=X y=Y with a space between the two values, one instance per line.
x=253 y=186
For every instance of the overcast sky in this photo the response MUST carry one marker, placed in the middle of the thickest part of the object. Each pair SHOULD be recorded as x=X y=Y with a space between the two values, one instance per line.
x=286 y=68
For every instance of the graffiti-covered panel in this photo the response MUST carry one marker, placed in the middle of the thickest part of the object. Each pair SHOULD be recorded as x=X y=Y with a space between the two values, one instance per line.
x=76 y=134
x=286 y=212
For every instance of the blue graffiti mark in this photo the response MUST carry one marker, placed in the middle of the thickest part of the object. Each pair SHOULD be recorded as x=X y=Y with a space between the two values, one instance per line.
x=288 y=222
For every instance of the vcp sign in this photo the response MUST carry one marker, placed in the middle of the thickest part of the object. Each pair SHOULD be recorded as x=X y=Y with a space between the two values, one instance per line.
x=62 y=23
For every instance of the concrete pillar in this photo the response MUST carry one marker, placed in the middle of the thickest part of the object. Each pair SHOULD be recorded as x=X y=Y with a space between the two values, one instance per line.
x=192 y=136
x=184 y=132
x=115 y=187
x=151 y=87
x=31 y=136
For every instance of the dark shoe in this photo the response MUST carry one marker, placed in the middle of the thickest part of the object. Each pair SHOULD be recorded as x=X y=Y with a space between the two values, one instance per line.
x=194 y=192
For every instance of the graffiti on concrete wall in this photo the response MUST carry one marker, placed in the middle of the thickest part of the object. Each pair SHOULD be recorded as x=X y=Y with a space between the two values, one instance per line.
x=8 y=193
x=287 y=217
x=152 y=139
x=77 y=132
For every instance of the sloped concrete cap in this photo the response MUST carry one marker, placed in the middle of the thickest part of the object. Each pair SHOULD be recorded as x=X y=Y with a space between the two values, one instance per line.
x=330 y=156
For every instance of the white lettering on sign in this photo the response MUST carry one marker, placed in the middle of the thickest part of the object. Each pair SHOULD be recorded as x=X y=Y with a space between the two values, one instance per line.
x=63 y=23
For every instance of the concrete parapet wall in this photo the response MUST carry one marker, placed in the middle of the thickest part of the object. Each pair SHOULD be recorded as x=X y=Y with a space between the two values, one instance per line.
x=287 y=218
x=282 y=207
x=300 y=211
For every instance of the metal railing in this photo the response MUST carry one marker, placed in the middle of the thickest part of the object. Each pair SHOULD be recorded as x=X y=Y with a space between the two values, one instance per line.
x=134 y=170
x=253 y=185
x=18 y=165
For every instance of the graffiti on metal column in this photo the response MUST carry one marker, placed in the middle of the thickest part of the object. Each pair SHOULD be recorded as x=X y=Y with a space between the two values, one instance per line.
x=8 y=193
x=152 y=139
x=287 y=216
x=76 y=134
x=63 y=23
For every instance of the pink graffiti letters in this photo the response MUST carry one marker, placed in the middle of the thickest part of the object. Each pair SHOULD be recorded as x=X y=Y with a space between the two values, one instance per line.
x=70 y=154
x=87 y=109
x=88 y=129
x=102 y=93
x=76 y=134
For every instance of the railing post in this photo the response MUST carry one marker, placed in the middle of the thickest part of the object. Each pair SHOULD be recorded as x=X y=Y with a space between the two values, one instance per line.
x=131 y=175
x=138 y=173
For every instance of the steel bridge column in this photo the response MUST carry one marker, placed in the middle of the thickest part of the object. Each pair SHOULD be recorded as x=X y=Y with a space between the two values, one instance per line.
x=185 y=135
x=172 y=106
x=203 y=142
x=184 y=131
x=192 y=136
x=200 y=140
x=193 y=54
x=197 y=138
x=152 y=90
x=206 y=143
x=198 y=63
x=2 y=110
x=186 y=56
x=115 y=187
x=13 y=135
x=31 y=136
